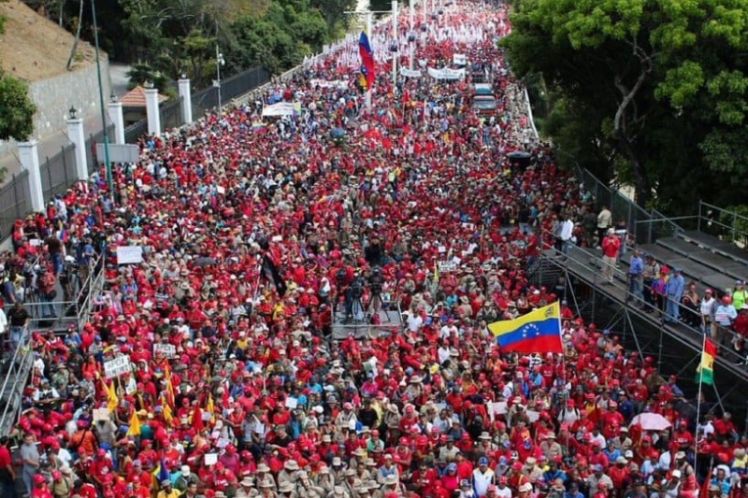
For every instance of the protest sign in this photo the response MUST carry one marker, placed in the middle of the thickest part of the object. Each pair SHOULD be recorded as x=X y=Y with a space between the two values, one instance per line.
x=116 y=367
x=127 y=255
x=166 y=350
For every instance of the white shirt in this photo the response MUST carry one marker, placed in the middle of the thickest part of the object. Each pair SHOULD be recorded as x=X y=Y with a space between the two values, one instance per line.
x=443 y=354
x=482 y=481
x=665 y=461
x=506 y=492
x=707 y=307
x=567 y=229
x=414 y=322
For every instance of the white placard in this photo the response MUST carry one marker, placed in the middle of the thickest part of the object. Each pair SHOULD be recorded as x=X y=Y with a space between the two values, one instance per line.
x=220 y=190
x=101 y=414
x=116 y=367
x=533 y=416
x=447 y=74
x=128 y=255
x=35 y=242
x=446 y=266
x=496 y=408
x=342 y=84
x=118 y=153
x=410 y=73
x=459 y=59
x=292 y=403
x=282 y=109
x=166 y=350
x=210 y=459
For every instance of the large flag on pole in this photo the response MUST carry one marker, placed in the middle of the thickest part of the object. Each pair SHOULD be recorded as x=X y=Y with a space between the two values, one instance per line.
x=539 y=331
x=367 y=61
x=705 y=370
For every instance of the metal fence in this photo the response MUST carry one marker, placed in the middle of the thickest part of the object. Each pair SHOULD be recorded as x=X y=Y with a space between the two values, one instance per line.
x=725 y=224
x=58 y=172
x=203 y=101
x=135 y=131
x=93 y=139
x=231 y=88
x=15 y=201
x=171 y=114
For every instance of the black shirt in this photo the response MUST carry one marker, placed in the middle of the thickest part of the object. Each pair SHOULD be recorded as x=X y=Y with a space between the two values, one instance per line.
x=18 y=317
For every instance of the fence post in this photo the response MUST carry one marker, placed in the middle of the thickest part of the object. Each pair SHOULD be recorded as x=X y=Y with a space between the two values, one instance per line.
x=649 y=235
x=153 y=112
x=698 y=221
x=29 y=155
x=76 y=135
x=64 y=165
x=115 y=114
x=734 y=225
x=15 y=197
x=49 y=177
x=186 y=93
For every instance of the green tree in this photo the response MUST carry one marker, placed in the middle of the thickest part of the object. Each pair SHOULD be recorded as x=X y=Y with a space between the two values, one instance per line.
x=648 y=91
x=280 y=38
x=16 y=108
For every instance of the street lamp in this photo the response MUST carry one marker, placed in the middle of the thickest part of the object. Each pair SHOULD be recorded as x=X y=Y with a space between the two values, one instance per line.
x=73 y=112
x=219 y=62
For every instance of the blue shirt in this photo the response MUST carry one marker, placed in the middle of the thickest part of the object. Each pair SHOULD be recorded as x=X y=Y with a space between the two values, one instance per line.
x=674 y=287
x=637 y=266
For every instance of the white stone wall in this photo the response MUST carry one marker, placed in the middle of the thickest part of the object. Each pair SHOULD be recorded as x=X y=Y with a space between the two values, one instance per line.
x=54 y=96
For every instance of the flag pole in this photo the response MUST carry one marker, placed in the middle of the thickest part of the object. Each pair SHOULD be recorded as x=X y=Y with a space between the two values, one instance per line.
x=370 y=34
x=698 y=413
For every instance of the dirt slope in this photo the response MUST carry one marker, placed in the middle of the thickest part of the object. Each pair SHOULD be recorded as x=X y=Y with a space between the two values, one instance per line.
x=33 y=47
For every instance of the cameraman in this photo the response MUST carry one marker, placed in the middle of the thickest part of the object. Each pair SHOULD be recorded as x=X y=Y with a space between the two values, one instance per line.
x=376 y=283
x=353 y=299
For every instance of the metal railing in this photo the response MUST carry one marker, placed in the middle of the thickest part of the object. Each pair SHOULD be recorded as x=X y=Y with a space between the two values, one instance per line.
x=71 y=311
x=11 y=391
x=591 y=266
x=366 y=329
x=723 y=223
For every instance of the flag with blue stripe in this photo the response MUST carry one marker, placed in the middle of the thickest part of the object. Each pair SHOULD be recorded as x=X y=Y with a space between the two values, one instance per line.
x=539 y=331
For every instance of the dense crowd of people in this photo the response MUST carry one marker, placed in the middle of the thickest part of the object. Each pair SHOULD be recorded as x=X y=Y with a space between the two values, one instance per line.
x=253 y=232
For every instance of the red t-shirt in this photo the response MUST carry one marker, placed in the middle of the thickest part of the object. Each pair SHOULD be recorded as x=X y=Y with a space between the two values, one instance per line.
x=5 y=458
x=611 y=245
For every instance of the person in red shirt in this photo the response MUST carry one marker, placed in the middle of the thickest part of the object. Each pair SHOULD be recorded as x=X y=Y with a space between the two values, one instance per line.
x=725 y=428
x=611 y=246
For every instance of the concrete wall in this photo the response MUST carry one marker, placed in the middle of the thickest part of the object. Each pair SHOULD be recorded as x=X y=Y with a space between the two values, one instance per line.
x=54 y=96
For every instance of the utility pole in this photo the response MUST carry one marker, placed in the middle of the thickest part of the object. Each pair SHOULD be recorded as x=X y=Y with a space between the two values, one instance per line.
x=395 y=32
x=412 y=33
x=107 y=163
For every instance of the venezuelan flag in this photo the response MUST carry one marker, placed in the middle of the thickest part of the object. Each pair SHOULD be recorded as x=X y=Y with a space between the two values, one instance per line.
x=705 y=370
x=367 y=59
x=539 y=331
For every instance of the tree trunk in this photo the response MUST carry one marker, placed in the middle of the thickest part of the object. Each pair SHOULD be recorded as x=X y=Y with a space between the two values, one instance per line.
x=77 y=35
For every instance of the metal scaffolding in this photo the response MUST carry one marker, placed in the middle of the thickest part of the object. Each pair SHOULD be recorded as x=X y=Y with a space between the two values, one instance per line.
x=576 y=277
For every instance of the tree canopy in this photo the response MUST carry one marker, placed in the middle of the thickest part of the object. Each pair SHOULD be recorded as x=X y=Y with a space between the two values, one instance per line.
x=173 y=38
x=16 y=108
x=651 y=92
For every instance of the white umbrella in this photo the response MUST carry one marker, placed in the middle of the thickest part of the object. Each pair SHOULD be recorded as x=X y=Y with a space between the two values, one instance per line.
x=651 y=422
